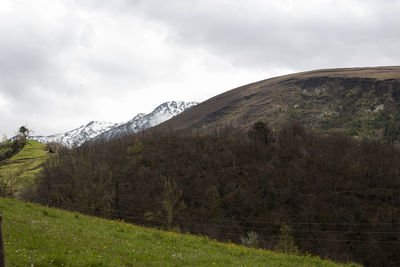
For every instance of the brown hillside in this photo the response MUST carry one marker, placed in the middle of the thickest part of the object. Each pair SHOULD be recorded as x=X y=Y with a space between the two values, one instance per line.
x=316 y=98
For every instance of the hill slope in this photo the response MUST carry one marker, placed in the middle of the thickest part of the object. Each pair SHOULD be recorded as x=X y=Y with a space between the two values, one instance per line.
x=19 y=170
x=337 y=99
x=40 y=236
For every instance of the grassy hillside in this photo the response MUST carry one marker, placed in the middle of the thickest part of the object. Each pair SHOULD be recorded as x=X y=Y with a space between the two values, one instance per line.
x=41 y=236
x=360 y=101
x=19 y=171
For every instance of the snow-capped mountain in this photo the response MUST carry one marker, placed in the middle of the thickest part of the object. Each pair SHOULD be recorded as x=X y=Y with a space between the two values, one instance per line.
x=143 y=121
x=109 y=130
x=77 y=136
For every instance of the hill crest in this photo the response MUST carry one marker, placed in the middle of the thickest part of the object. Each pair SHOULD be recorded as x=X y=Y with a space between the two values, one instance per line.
x=322 y=99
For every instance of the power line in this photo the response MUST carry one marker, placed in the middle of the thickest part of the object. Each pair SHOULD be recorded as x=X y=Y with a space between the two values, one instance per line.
x=139 y=216
x=208 y=230
x=214 y=220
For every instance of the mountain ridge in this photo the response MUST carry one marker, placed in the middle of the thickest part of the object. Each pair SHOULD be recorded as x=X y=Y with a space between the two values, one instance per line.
x=143 y=121
x=110 y=130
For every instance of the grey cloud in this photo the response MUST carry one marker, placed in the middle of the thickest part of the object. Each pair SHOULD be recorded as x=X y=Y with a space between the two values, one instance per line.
x=260 y=33
x=29 y=56
x=32 y=79
x=294 y=34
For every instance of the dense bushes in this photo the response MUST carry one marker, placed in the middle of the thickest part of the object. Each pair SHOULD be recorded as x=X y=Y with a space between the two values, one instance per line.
x=10 y=148
x=336 y=197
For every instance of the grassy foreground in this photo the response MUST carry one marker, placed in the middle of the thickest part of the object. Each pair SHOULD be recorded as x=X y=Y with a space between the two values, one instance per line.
x=19 y=170
x=39 y=236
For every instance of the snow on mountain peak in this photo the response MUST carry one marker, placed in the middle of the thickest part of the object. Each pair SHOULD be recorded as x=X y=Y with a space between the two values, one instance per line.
x=77 y=136
x=142 y=121
x=110 y=130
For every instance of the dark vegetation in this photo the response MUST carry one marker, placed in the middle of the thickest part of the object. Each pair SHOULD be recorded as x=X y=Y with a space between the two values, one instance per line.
x=288 y=189
x=9 y=148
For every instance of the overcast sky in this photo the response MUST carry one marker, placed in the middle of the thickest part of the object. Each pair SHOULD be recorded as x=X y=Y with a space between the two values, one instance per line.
x=66 y=63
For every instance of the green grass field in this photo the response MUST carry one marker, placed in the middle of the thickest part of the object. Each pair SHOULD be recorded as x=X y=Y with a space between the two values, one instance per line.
x=20 y=170
x=40 y=236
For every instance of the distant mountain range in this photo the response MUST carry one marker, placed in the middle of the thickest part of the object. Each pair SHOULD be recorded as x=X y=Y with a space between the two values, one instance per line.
x=109 y=130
